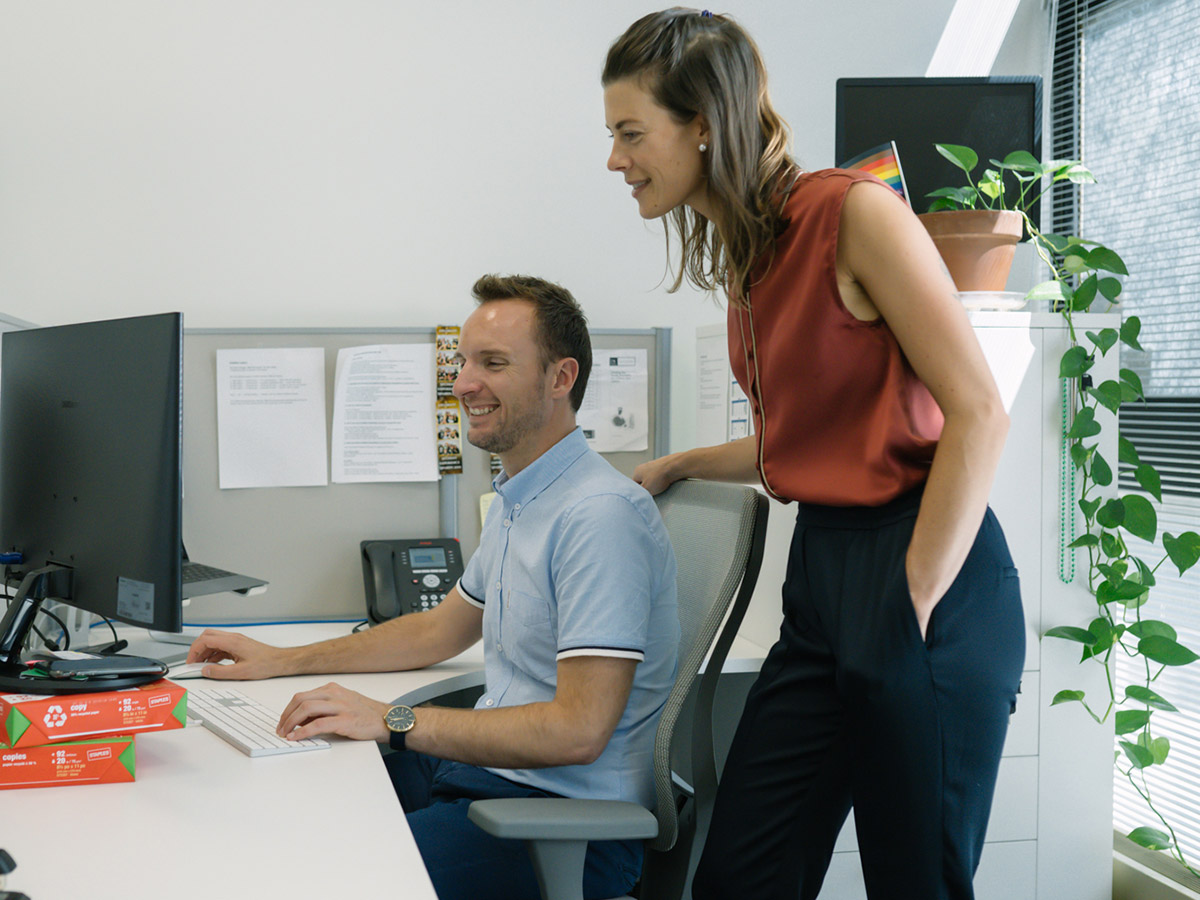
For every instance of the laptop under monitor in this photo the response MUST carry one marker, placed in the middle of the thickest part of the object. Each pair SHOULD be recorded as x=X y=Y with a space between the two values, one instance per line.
x=200 y=579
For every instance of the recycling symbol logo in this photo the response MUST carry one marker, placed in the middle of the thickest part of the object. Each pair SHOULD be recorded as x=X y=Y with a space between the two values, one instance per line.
x=55 y=717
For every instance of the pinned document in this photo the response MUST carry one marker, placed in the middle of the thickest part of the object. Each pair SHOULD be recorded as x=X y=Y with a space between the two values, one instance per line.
x=271 y=417
x=383 y=414
x=615 y=411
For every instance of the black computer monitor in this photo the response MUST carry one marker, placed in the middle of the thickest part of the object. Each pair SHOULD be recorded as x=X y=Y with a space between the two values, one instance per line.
x=91 y=420
x=993 y=116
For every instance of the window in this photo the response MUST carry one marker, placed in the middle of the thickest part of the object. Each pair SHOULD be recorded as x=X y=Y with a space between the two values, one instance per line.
x=1124 y=102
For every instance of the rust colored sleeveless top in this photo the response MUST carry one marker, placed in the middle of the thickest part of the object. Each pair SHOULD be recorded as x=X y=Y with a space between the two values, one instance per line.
x=840 y=417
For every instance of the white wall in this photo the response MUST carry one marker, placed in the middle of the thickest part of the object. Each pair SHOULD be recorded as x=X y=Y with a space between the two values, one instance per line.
x=304 y=163
x=359 y=163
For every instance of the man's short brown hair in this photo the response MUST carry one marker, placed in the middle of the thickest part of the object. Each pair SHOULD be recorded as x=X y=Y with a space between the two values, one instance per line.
x=561 y=325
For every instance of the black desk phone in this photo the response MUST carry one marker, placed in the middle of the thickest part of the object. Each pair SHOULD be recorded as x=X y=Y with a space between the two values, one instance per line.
x=408 y=575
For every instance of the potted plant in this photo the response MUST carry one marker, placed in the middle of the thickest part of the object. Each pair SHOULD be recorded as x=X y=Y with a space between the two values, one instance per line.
x=977 y=227
x=1083 y=273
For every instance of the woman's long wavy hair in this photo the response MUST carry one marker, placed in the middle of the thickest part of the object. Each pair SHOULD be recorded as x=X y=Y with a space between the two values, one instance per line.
x=699 y=63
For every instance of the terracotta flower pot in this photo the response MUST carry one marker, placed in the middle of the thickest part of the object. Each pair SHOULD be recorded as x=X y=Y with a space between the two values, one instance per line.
x=977 y=245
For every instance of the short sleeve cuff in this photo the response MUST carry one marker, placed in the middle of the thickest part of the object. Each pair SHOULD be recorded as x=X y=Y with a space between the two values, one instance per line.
x=615 y=652
x=474 y=601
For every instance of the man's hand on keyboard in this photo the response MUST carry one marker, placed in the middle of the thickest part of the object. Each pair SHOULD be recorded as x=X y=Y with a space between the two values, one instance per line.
x=333 y=709
x=251 y=659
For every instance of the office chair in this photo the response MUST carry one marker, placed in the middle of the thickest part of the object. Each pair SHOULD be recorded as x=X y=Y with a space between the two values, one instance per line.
x=717 y=531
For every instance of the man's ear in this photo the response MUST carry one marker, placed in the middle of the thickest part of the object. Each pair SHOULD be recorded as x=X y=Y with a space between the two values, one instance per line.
x=566 y=371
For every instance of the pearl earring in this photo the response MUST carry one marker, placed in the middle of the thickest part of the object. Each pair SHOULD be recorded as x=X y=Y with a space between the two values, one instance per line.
x=703 y=147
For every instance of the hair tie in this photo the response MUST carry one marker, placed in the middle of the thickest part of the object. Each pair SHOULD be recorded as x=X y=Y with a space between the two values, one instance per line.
x=705 y=14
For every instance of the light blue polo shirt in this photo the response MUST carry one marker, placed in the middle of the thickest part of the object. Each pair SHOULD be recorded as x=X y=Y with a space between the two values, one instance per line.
x=574 y=560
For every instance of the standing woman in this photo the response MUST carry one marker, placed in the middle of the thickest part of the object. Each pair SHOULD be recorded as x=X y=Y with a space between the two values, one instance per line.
x=902 y=641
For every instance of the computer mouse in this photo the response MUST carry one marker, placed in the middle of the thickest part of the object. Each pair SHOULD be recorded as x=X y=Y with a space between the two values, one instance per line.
x=185 y=671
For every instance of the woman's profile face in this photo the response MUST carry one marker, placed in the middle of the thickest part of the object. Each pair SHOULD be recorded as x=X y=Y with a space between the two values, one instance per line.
x=659 y=158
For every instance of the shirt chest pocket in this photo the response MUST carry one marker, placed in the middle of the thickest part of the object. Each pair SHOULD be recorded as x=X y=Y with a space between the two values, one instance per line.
x=527 y=609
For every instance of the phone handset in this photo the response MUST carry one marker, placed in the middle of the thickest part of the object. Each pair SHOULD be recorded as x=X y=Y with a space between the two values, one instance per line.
x=383 y=572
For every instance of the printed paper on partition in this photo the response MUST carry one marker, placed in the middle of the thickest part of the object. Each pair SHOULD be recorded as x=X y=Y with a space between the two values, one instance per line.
x=383 y=414
x=271 y=417
x=615 y=411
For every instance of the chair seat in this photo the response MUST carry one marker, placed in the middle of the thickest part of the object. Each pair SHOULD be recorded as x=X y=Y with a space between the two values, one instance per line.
x=563 y=819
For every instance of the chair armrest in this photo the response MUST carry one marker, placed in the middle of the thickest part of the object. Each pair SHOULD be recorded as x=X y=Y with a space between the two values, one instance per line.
x=558 y=819
x=434 y=690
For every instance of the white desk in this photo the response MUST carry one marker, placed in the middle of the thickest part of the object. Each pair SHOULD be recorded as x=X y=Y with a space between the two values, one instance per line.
x=204 y=821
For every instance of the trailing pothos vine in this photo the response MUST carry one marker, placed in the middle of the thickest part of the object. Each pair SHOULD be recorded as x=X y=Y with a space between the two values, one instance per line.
x=1083 y=273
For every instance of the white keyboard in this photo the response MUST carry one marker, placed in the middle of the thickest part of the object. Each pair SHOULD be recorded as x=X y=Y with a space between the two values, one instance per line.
x=243 y=722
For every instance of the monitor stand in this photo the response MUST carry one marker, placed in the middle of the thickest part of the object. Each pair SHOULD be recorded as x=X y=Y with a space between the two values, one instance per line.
x=49 y=581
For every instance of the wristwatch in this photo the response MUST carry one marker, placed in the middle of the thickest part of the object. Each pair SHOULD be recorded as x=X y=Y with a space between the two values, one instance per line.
x=399 y=720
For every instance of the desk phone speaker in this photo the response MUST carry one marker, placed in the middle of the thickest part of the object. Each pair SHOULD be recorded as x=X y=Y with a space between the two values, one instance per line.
x=403 y=576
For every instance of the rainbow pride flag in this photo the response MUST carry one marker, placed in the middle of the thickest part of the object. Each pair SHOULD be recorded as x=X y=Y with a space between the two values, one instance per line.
x=884 y=163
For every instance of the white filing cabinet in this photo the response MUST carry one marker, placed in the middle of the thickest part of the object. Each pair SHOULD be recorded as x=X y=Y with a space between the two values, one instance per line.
x=1050 y=834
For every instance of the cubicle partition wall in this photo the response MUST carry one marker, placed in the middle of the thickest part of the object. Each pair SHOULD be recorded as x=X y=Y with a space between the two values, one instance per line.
x=305 y=540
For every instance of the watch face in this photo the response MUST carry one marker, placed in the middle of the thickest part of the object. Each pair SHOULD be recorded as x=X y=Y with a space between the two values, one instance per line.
x=400 y=718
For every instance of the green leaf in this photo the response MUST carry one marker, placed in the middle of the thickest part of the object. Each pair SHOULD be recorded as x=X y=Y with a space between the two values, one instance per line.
x=990 y=184
x=1130 y=329
x=1128 y=720
x=1105 y=339
x=943 y=204
x=1138 y=755
x=1143 y=694
x=1159 y=748
x=1165 y=651
x=1126 y=452
x=1085 y=293
x=1074 y=363
x=1047 y=290
x=1076 y=263
x=1107 y=394
x=1060 y=242
x=1104 y=635
x=1080 y=454
x=1067 y=697
x=1144 y=574
x=963 y=157
x=1084 y=426
x=1089 y=507
x=1148 y=627
x=1103 y=258
x=1110 y=544
x=1019 y=161
x=1112 y=513
x=1184 y=550
x=1150 y=838
x=1085 y=540
x=1110 y=288
x=1071 y=633
x=1147 y=476
x=1131 y=378
x=1076 y=173
x=1140 y=518
x=1128 y=589
x=1101 y=473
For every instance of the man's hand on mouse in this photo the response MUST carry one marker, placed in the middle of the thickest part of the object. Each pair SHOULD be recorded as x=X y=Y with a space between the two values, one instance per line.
x=251 y=659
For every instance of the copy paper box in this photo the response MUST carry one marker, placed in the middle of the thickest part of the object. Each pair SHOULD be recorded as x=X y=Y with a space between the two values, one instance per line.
x=91 y=761
x=27 y=720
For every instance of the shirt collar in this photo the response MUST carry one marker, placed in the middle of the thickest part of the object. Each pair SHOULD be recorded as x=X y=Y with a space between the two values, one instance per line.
x=543 y=471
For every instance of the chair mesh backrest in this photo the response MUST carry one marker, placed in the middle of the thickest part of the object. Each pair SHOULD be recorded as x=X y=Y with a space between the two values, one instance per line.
x=711 y=527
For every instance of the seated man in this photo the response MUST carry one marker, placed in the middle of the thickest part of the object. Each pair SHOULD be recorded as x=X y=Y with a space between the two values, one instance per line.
x=573 y=592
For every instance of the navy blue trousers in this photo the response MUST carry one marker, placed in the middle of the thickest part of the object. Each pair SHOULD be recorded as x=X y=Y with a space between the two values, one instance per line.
x=853 y=708
x=467 y=863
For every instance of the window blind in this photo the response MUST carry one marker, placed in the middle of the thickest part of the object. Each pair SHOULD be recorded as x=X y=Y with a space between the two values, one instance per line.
x=1122 y=77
